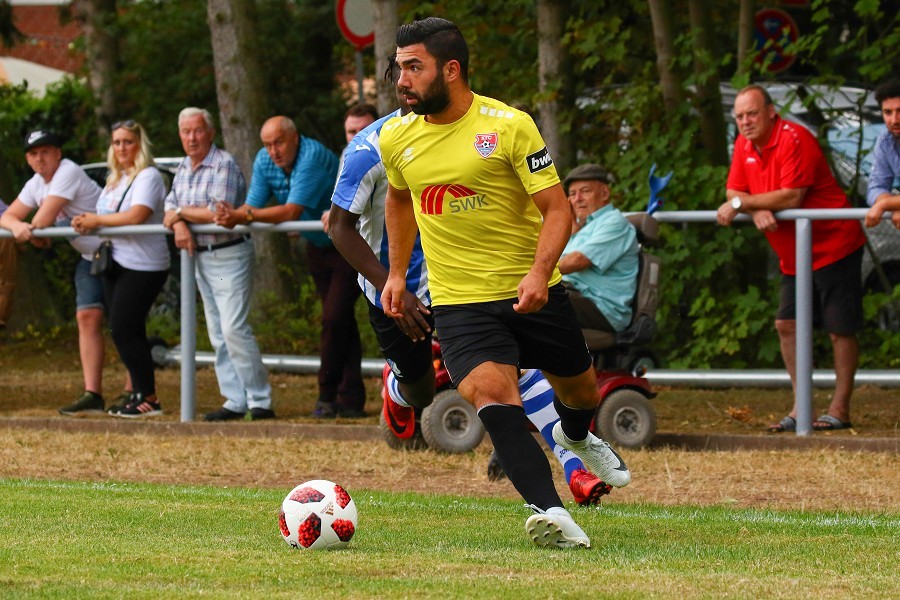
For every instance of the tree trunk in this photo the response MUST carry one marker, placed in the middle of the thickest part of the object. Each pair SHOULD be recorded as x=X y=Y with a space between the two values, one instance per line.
x=240 y=91
x=239 y=80
x=554 y=81
x=664 y=38
x=384 y=15
x=98 y=19
x=709 y=96
x=745 y=36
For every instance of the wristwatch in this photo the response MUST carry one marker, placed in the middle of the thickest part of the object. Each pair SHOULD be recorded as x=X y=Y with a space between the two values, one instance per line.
x=178 y=212
x=249 y=216
x=736 y=203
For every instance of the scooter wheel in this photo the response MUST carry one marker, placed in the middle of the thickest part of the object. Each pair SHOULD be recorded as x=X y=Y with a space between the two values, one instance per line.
x=626 y=419
x=642 y=361
x=416 y=442
x=450 y=424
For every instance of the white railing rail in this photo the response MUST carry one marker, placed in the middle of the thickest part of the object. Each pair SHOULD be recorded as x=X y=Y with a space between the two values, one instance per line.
x=804 y=289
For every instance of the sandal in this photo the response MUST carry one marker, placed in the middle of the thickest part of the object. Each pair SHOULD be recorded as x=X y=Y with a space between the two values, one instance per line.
x=829 y=423
x=788 y=423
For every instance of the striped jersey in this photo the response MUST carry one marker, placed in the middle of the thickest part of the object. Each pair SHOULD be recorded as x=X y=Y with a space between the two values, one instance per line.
x=361 y=189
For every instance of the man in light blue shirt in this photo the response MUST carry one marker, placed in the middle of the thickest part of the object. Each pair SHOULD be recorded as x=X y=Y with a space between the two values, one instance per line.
x=298 y=173
x=884 y=180
x=600 y=262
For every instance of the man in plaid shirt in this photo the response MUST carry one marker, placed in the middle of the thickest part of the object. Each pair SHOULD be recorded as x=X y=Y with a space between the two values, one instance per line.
x=206 y=177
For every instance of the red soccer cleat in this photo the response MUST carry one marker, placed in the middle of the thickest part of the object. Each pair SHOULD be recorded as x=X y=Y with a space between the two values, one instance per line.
x=587 y=488
x=400 y=420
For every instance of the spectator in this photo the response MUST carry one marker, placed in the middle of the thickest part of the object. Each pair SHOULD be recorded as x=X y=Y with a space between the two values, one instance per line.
x=58 y=192
x=9 y=258
x=357 y=227
x=133 y=195
x=474 y=178
x=358 y=117
x=600 y=263
x=208 y=176
x=884 y=182
x=299 y=173
x=779 y=165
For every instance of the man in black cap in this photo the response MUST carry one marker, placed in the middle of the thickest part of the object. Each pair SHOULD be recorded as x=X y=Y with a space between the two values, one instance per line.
x=600 y=262
x=58 y=192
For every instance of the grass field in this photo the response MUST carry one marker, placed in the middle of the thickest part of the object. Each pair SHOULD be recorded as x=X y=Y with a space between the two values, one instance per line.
x=96 y=540
x=111 y=515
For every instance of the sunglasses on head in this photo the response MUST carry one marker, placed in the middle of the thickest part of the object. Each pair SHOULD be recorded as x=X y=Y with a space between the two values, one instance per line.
x=129 y=124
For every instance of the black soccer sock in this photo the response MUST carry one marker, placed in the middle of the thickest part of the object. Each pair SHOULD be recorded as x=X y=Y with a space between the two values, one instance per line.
x=520 y=455
x=575 y=421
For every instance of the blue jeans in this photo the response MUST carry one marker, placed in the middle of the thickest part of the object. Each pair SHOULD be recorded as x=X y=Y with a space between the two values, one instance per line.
x=88 y=288
x=225 y=281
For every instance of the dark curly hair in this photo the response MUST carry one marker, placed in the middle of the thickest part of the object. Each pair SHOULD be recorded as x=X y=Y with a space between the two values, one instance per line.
x=442 y=38
x=888 y=89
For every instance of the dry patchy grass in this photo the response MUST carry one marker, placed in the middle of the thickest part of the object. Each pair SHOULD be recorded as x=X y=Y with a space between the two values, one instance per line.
x=804 y=480
x=39 y=376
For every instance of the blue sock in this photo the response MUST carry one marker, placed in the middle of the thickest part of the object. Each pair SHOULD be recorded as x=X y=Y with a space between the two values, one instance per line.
x=537 y=399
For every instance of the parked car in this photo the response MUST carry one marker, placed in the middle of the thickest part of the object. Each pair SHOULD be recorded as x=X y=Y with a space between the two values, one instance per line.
x=167 y=166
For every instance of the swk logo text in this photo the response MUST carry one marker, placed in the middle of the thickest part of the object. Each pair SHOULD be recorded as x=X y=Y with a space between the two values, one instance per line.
x=458 y=198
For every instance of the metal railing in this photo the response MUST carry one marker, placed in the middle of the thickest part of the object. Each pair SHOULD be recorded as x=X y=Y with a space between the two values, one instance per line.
x=804 y=301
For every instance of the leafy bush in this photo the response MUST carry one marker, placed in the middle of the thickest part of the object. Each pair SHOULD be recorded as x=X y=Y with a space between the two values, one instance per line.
x=295 y=327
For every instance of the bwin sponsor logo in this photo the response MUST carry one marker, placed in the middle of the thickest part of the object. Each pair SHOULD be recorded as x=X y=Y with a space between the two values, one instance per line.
x=539 y=160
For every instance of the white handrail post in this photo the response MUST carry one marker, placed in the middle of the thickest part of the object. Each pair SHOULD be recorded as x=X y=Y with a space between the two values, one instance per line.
x=804 y=325
x=188 y=337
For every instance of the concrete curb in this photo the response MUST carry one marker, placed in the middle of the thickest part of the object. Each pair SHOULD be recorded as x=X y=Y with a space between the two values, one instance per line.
x=328 y=431
x=258 y=429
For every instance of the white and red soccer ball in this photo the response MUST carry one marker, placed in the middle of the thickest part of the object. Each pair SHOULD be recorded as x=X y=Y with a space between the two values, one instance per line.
x=318 y=515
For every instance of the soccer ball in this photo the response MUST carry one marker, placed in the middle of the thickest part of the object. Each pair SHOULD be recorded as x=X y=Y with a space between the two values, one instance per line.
x=316 y=515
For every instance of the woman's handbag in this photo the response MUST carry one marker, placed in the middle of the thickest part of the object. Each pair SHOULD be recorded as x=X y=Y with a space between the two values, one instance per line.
x=102 y=261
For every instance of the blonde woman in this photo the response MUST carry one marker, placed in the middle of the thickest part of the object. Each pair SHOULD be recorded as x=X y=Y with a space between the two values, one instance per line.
x=133 y=195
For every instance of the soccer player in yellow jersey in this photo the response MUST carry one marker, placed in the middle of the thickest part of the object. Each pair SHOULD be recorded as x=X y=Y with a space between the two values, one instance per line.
x=474 y=177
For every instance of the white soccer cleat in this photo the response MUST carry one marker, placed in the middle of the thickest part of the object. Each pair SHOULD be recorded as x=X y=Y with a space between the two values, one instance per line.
x=597 y=455
x=555 y=527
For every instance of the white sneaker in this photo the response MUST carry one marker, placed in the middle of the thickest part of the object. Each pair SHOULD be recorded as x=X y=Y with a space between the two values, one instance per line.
x=555 y=527
x=597 y=455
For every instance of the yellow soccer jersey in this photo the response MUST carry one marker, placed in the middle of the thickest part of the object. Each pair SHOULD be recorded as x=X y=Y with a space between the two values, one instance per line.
x=471 y=183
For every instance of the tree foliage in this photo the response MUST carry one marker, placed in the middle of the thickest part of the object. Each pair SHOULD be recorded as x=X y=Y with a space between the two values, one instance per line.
x=719 y=285
x=167 y=64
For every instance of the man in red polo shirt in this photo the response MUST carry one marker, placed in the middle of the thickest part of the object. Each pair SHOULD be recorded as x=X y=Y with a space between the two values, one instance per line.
x=779 y=165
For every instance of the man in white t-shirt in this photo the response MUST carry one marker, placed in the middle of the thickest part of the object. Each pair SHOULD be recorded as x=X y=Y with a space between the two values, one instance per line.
x=58 y=192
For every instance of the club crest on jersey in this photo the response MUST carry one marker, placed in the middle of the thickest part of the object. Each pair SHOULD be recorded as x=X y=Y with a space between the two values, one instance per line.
x=485 y=143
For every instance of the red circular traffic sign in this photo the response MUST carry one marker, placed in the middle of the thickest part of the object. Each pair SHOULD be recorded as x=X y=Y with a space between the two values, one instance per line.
x=354 y=18
x=776 y=33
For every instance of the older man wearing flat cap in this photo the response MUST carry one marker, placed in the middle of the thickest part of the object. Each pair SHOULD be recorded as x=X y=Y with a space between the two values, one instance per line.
x=600 y=262
x=58 y=192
